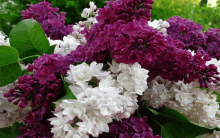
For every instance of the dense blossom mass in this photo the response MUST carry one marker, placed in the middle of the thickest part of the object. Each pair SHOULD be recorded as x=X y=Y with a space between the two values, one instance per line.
x=176 y=64
x=112 y=64
x=186 y=31
x=40 y=90
x=212 y=46
x=111 y=19
x=52 y=23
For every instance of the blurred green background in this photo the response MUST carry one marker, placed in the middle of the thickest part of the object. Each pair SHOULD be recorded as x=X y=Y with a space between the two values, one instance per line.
x=200 y=12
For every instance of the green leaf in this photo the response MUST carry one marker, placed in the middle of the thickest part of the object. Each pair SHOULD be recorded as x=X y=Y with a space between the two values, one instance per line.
x=8 y=55
x=171 y=130
x=10 y=69
x=28 y=38
x=9 y=74
x=29 y=59
x=11 y=132
x=171 y=120
x=174 y=114
x=26 y=72
x=50 y=49
x=68 y=92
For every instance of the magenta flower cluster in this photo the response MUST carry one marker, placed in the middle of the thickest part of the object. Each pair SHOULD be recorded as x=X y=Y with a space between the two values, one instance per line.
x=186 y=31
x=36 y=124
x=176 y=64
x=138 y=42
x=132 y=127
x=212 y=46
x=40 y=90
x=29 y=88
x=45 y=84
x=52 y=23
x=122 y=33
x=191 y=35
x=125 y=10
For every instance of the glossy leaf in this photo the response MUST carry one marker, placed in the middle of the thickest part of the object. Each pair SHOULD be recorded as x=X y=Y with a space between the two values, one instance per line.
x=11 y=132
x=28 y=38
x=10 y=69
x=50 y=50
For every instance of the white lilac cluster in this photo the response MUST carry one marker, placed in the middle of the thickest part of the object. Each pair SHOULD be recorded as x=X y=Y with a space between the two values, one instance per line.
x=90 y=14
x=87 y=12
x=113 y=97
x=70 y=42
x=10 y=113
x=197 y=105
x=160 y=25
x=3 y=41
x=64 y=47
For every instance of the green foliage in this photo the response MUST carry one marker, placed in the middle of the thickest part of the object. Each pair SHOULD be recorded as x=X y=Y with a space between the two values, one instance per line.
x=51 y=49
x=10 y=70
x=10 y=13
x=169 y=123
x=28 y=38
x=68 y=92
x=11 y=132
x=203 y=2
x=207 y=16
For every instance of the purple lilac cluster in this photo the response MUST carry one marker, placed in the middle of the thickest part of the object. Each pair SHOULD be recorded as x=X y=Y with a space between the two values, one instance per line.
x=176 y=64
x=212 y=46
x=41 y=88
x=45 y=84
x=36 y=124
x=137 y=42
x=132 y=127
x=29 y=88
x=188 y=32
x=122 y=33
x=52 y=23
x=125 y=10
x=191 y=35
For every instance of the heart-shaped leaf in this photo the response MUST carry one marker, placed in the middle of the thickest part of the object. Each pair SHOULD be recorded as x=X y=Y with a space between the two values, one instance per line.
x=10 y=69
x=28 y=38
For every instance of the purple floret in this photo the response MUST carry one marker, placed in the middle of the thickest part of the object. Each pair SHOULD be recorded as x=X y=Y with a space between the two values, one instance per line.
x=52 y=23
x=188 y=32
x=212 y=46
x=132 y=127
